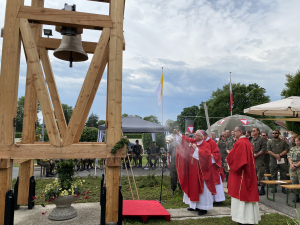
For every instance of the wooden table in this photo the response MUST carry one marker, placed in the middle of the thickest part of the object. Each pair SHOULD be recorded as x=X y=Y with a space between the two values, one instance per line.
x=273 y=182
x=291 y=187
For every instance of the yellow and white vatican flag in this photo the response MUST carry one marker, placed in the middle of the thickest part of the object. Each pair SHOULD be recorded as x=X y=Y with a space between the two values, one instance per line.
x=159 y=90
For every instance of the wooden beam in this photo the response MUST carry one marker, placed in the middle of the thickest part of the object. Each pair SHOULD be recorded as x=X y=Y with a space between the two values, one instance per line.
x=86 y=89
x=53 y=92
x=19 y=161
x=91 y=97
x=25 y=172
x=53 y=43
x=5 y=163
x=9 y=80
x=47 y=151
x=114 y=105
x=65 y=18
x=5 y=177
x=39 y=82
x=31 y=100
x=124 y=44
x=29 y=119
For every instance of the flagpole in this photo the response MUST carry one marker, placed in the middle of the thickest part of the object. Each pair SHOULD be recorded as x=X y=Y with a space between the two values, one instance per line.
x=230 y=96
x=162 y=102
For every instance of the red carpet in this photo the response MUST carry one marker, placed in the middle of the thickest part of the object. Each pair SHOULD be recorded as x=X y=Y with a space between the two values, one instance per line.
x=144 y=209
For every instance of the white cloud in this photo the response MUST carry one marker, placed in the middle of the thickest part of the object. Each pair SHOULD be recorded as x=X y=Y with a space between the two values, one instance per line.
x=197 y=42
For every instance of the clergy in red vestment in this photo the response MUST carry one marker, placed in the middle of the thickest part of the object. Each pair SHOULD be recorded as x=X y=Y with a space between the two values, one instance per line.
x=194 y=171
x=242 y=183
x=216 y=168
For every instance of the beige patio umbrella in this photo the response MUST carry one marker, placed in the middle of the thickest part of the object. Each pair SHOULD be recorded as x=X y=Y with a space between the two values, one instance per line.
x=285 y=107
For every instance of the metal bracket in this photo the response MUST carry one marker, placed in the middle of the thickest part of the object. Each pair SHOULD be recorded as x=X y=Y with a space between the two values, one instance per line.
x=9 y=208
x=16 y=188
x=31 y=192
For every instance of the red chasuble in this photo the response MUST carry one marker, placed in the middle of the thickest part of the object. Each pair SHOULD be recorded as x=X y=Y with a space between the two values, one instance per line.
x=242 y=183
x=217 y=166
x=191 y=172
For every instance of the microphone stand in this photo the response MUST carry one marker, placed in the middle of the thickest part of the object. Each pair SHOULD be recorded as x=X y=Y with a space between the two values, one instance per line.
x=162 y=178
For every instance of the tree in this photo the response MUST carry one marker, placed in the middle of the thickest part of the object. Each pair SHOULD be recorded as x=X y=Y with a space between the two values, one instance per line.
x=147 y=138
x=152 y=119
x=172 y=125
x=218 y=105
x=124 y=115
x=89 y=134
x=20 y=112
x=100 y=122
x=188 y=111
x=292 y=89
x=92 y=121
x=68 y=110
x=159 y=137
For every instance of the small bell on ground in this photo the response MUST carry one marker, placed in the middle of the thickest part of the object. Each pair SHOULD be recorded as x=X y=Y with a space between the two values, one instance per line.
x=71 y=50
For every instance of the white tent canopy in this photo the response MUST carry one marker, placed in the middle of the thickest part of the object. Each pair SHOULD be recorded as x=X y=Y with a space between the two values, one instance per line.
x=285 y=107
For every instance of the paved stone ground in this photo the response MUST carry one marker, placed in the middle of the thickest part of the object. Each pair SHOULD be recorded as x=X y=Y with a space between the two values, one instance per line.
x=89 y=214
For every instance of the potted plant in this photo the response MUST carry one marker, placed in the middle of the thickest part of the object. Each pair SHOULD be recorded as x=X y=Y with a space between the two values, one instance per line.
x=64 y=191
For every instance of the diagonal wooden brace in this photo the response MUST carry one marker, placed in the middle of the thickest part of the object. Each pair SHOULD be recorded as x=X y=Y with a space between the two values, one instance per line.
x=39 y=82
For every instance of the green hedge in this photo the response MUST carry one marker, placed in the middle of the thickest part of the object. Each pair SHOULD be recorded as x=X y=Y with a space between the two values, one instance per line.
x=18 y=135
x=134 y=136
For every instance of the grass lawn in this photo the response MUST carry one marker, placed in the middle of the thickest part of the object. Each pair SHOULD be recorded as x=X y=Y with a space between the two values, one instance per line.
x=148 y=189
x=270 y=219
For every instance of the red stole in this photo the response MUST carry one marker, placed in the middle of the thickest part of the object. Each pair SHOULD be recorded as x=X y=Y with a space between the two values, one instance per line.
x=242 y=183
x=191 y=172
x=217 y=166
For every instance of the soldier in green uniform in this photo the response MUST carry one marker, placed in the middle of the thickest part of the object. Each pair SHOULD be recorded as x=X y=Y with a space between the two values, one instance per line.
x=227 y=133
x=278 y=149
x=81 y=163
x=267 y=156
x=48 y=164
x=172 y=163
x=222 y=146
x=230 y=142
x=292 y=143
x=213 y=136
x=137 y=151
x=294 y=160
x=260 y=148
x=153 y=153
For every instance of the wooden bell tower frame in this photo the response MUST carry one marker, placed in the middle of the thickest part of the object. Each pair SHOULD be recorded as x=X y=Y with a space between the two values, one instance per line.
x=24 y=24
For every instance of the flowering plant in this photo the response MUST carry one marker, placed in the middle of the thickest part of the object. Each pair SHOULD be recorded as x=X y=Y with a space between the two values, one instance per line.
x=53 y=190
x=65 y=184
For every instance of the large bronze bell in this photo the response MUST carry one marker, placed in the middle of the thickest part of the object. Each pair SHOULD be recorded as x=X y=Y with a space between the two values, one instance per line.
x=71 y=50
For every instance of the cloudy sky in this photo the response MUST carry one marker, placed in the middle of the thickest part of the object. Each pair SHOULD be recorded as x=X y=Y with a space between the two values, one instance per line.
x=197 y=42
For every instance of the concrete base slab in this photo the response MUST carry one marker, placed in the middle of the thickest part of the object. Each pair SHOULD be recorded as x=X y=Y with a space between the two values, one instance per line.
x=183 y=212
x=88 y=214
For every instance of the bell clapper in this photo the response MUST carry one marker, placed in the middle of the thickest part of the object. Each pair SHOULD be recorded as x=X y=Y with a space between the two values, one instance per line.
x=71 y=59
